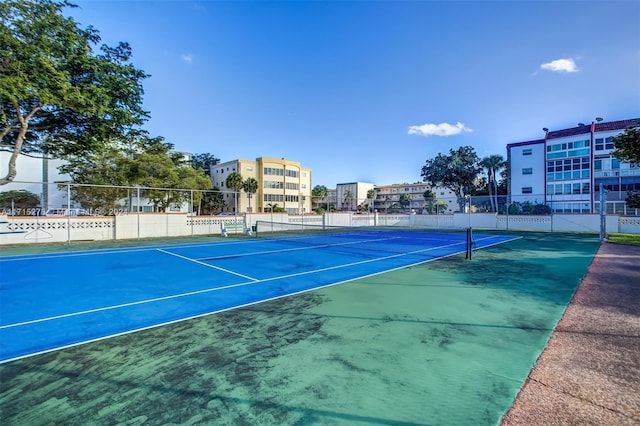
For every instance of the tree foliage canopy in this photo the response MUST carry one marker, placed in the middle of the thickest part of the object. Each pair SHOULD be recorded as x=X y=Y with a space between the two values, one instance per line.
x=627 y=145
x=56 y=94
x=18 y=199
x=319 y=191
x=149 y=163
x=204 y=162
x=457 y=171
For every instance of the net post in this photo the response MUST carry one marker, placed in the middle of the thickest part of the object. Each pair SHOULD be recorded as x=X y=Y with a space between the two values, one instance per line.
x=469 y=243
x=602 y=214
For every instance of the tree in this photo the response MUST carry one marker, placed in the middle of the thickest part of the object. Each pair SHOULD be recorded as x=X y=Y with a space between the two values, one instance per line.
x=405 y=200
x=321 y=191
x=16 y=200
x=371 y=195
x=196 y=181
x=234 y=181
x=58 y=96
x=348 y=198
x=493 y=164
x=97 y=178
x=204 y=162
x=503 y=183
x=100 y=178
x=250 y=186
x=627 y=145
x=429 y=200
x=456 y=171
x=212 y=201
x=633 y=200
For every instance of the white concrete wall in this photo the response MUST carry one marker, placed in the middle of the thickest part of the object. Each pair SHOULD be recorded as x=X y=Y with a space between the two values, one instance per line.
x=45 y=229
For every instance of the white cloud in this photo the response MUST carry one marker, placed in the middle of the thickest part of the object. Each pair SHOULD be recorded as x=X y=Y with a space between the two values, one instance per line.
x=188 y=58
x=561 y=65
x=442 y=129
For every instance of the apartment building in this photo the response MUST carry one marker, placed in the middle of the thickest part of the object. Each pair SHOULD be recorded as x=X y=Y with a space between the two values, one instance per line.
x=282 y=183
x=566 y=167
x=352 y=196
x=388 y=196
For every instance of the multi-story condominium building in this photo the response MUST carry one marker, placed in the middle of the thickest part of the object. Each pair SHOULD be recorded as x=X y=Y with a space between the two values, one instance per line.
x=281 y=184
x=389 y=195
x=353 y=195
x=566 y=168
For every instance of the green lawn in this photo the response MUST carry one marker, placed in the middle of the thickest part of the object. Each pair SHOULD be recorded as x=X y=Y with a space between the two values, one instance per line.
x=629 y=239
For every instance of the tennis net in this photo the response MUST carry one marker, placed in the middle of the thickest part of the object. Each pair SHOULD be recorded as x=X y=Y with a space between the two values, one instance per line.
x=385 y=238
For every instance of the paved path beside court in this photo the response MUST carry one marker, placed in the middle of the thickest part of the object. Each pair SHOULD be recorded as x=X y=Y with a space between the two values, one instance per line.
x=589 y=373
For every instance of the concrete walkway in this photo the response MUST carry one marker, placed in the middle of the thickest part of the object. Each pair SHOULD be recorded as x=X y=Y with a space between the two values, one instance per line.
x=589 y=373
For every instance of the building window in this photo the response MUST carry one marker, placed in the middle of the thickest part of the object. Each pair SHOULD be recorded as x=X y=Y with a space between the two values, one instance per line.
x=527 y=171
x=273 y=171
x=269 y=184
x=527 y=151
x=602 y=144
x=527 y=190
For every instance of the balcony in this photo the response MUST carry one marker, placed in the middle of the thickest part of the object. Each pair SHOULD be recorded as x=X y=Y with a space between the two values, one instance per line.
x=617 y=173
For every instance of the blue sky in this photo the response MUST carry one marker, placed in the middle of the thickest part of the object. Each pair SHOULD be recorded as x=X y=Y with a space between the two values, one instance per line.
x=369 y=90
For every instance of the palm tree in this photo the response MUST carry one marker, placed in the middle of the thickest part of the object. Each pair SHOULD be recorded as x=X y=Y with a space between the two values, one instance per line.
x=348 y=197
x=371 y=194
x=429 y=199
x=493 y=164
x=250 y=186
x=234 y=181
x=321 y=191
x=405 y=200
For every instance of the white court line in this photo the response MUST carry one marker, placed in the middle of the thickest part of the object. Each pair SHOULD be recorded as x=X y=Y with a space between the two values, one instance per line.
x=96 y=252
x=296 y=248
x=207 y=265
x=208 y=290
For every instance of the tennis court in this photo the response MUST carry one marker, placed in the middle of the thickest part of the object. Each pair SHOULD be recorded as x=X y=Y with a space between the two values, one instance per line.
x=51 y=301
x=400 y=342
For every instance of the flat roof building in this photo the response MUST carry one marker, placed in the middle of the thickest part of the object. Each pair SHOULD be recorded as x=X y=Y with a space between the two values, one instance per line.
x=282 y=183
x=566 y=167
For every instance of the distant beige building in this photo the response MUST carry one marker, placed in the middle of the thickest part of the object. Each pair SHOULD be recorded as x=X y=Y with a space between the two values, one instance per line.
x=282 y=183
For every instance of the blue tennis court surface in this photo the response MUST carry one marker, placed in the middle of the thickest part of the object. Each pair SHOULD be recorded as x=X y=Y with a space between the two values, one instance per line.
x=58 y=300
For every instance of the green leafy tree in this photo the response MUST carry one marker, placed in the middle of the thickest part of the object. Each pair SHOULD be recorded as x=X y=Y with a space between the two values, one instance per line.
x=493 y=164
x=627 y=145
x=457 y=171
x=204 y=162
x=102 y=180
x=18 y=199
x=429 y=200
x=97 y=177
x=196 y=180
x=250 y=186
x=212 y=201
x=627 y=148
x=633 y=200
x=234 y=181
x=57 y=95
